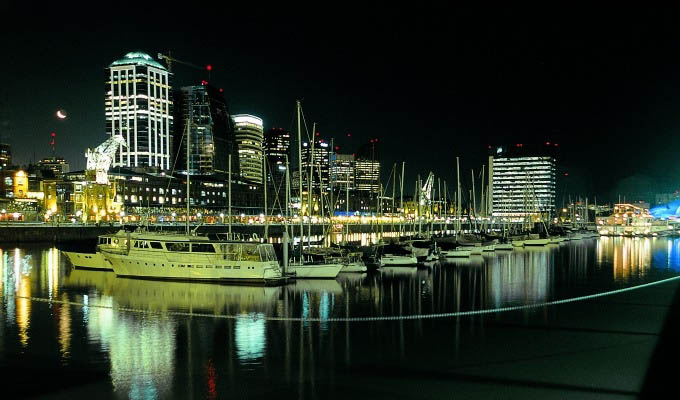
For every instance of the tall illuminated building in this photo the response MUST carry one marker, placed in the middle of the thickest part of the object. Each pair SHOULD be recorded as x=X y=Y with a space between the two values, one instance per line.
x=5 y=155
x=277 y=151
x=249 y=132
x=367 y=176
x=342 y=171
x=211 y=131
x=522 y=181
x=319 y=160
x=139 y=108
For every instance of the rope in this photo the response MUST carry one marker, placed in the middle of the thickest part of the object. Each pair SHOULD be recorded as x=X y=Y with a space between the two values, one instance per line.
x=255 y=316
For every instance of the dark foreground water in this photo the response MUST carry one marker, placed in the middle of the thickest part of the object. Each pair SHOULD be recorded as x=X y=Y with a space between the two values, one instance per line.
x=63 y=333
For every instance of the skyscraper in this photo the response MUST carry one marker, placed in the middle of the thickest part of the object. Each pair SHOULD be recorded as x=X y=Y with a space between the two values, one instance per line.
x=522 y=180
x=139 y=108
x=368 y=168
x=277 y=150
x=249 y=137
x=320 y=159
x=212 y=131
x=342 y=171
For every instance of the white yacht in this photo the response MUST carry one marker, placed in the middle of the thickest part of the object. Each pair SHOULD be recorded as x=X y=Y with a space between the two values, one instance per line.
x=398 y=259
x=191 y=258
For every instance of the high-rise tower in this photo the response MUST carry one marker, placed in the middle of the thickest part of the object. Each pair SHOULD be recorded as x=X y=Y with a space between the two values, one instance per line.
x=139 y=108
x=250 y=137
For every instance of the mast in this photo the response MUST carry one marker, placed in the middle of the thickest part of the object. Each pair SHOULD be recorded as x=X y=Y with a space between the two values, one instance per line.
x=458 y=198
x=266 y=224
x=309 y=188
x=394 y=184
x=188 y=198
x=474 y=200
x=300 y=175
x=230 y=216
x=401 y=195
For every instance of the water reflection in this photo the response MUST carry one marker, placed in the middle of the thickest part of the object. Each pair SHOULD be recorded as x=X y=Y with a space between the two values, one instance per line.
x=250 y=338
x=631 y=258
x=154 y=353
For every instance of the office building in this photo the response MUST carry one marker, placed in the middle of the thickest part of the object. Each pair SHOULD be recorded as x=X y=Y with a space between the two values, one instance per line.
x=5 y=155
x=318 y=159
x=139 y=104
x=211 y=131
x=342 y=171
x=249 y=134
x=277 y=151
x=523 y=181
x=57 y=165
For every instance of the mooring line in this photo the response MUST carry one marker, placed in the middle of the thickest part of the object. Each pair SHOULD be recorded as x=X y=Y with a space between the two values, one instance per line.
x=256 y=316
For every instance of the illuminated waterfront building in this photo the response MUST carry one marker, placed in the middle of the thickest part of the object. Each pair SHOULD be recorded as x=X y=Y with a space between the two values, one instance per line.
x=367 y=176
x=5 y=155
x=277 y=151
x=342 y=171
x=212 y=132
x=319 y=161
x=250 y=137
x=139 y=108
x=57 y=165
x=522 y=181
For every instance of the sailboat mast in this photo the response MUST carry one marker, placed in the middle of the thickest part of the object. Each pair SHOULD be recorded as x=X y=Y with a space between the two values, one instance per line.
x=230 y=216
x=300 y=173
x=401 y=195
x=266 y=223
x=309 y=189
x=188 y=198
x=458 y=198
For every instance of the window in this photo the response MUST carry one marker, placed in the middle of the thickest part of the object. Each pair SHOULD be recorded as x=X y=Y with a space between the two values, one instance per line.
x=156 y=245
x=202 y=248
x=177 y=247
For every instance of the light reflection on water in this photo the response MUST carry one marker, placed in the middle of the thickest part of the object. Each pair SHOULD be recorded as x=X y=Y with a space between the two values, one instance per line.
x=154 y=354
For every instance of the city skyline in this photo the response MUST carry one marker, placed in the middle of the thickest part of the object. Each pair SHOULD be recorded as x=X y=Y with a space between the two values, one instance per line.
x=429 y=81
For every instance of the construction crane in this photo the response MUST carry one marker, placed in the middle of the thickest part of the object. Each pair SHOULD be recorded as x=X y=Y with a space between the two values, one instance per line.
x=169 y=60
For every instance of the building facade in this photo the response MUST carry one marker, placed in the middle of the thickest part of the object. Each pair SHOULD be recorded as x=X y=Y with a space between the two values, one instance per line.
x=342 y=171
x=316 y=161
x=249 y=133
x=523 y=181
x=139 y=104
x=277 y=151
x=5 y=155
x=211 y=132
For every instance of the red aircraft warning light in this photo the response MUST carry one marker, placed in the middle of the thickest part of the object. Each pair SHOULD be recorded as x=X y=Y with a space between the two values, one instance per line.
x=208 y=67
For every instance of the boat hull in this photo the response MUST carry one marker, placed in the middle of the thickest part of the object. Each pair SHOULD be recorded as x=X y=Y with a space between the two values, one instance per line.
x=536 y=242
x=88 y=260
x=194 y=268
x=456 y=253
x=354 y=267
x=315 y=271
x=398 y=260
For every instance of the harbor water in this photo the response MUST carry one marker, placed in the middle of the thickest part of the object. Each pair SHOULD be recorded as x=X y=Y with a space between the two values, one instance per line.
x=397 y=332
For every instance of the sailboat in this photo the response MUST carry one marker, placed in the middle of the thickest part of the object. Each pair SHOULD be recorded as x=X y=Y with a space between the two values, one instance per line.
x=189 y=256
x=309 y=266
x=453 y=249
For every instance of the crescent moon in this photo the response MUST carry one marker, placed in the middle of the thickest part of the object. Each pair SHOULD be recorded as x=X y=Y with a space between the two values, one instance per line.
x=61 y=115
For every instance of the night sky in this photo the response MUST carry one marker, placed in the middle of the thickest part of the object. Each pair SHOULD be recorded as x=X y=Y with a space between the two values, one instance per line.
x=430 y=84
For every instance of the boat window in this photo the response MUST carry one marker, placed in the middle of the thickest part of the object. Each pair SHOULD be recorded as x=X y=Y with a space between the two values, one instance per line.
x=202 y=248
x=250 y=253
x=177 y=246
x=156 y=245
x=237 y=267
x=230 y=251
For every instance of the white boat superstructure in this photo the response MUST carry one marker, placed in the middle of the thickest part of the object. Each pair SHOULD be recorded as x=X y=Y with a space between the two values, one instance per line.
x=187 y=257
